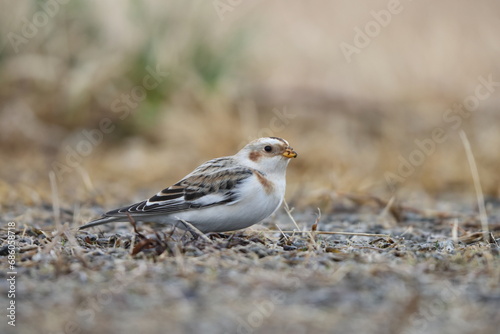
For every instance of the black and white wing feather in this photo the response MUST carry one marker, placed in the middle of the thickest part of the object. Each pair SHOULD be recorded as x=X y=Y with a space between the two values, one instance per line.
x=216 y=182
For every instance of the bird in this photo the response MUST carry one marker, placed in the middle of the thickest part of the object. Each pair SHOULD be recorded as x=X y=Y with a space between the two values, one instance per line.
x=221 y=195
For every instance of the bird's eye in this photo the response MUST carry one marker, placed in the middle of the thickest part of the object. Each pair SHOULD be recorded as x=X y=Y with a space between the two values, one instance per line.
x=268 y=148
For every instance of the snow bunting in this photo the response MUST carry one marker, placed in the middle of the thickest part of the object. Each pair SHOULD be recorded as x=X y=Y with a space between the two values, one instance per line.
x=224 y=194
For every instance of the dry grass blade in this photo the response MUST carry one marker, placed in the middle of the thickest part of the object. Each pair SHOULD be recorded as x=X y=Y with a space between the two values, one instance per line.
x=339 y=233
x=474 y=237
x=387 y=207
x=75 y=246
x=87 y=182
x=314 y=227
x=55 y=200
x=454 y=231
x=282 y=233
x=477 y=185
x=289 y=213
x=197 y=231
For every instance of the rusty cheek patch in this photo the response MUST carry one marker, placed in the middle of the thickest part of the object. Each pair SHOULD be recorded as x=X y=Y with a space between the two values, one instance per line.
x=268 y=185
x=254 y=156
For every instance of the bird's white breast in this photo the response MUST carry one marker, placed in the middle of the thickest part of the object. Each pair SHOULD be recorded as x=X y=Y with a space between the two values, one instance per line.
x=254 y=203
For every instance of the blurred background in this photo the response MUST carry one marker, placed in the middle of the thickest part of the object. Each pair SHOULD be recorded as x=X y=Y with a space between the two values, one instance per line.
x=119 y=99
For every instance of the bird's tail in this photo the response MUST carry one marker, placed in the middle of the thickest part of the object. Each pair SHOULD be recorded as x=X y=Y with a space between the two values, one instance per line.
x=100 y=221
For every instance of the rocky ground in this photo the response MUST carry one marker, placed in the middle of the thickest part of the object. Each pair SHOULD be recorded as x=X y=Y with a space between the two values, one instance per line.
x=413 y=272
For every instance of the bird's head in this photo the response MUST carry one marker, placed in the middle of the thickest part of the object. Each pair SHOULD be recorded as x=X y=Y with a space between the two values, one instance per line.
x=268 y=154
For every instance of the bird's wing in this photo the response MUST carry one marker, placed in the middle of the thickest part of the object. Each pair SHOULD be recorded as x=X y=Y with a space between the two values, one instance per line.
x=214 y=183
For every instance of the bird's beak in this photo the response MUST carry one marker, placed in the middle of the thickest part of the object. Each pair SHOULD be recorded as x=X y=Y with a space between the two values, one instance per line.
x=290 y=153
